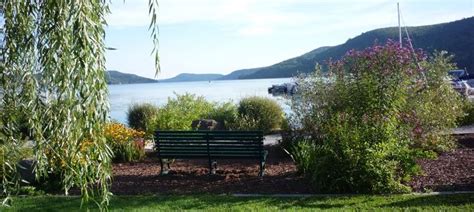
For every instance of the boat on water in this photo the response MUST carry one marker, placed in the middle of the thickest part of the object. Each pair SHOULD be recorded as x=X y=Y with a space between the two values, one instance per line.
x=462 y=82
x=288 y=89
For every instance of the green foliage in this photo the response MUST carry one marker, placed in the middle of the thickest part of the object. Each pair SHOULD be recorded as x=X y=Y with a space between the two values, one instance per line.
x=259 y=113
x=367 y=122
x=127 y=144
x=253 y=113
x=302 y=152
x=179 y=112
x=153 y=7
x=243 y=122
x=53 y=74
x=55 y=60
x=206 y=202
x=468 y=117
x=140 y=117
x=225 y=113
x=12 y=159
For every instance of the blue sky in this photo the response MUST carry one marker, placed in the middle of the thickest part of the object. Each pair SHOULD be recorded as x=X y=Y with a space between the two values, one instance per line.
x=221 y=36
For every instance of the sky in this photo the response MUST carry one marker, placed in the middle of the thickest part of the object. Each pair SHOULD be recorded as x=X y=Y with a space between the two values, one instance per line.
x=221 y=36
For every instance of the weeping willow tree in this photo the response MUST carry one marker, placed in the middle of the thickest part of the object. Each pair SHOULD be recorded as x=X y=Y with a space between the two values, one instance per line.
x=53 y=78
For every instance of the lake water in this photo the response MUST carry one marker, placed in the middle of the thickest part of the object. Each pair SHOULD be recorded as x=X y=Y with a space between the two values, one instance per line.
x=122 y=96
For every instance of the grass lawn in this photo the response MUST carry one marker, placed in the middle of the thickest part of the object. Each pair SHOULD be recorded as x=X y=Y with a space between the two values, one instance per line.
x=460 y=202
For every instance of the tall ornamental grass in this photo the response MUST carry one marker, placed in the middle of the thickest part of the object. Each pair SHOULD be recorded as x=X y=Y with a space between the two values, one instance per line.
x=140 y=116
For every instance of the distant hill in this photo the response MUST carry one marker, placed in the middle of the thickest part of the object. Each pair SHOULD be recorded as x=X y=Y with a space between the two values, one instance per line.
x=116 y=77
x=290 y=64
x=238 y=74
x=455 y=37
x=185 y=77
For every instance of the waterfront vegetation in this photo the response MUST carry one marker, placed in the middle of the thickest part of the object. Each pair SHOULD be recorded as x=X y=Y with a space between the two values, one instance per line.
x=352 y=130
x=364 y=126
x=468 y=118
x=359 y=127
x=251 y=113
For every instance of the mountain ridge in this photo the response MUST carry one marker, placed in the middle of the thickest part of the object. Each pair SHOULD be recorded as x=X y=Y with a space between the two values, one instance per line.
x=114 y=77
x=456 y=37
x=188 y=77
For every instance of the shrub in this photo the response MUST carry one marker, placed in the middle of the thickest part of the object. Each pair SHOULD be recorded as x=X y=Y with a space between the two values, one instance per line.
x=140 y=117
x=244 y=122
x=225 y=113
x=127 y=144
x=468 y=117
x=371 y=117
x=179 y=112
x=263 y=114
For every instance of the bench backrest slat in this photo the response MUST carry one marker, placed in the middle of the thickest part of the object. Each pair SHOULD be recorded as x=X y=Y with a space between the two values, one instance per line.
x=205 y=144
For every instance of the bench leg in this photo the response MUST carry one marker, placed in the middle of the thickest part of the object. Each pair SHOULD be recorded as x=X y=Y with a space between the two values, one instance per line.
x=209 y=162
x=262 y=164
x=213 y=167
x=162 y=168
x=262 y=169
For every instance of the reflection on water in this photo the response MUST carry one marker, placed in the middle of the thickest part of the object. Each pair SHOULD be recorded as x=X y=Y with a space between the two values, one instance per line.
x=121 y=96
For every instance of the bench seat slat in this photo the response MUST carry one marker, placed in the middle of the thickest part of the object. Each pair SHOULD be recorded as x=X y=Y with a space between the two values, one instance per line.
x=235 y=139
x=210 y=133
x=210 y=152
x=165 y=138
x=212 y=142
x=214 y=156
x=214 y=148
x=182 y=156
x=211 y=136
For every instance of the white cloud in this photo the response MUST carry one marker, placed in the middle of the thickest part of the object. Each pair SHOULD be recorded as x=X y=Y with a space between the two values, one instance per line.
x=272 y=30
x=264 y=17
x=130 y=13
x=255 y=30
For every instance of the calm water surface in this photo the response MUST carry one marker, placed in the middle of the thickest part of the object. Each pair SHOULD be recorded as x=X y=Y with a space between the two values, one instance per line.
x=122 y=96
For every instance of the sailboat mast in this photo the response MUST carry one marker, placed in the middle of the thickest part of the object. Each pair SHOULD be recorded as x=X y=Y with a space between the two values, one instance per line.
x=399 y=26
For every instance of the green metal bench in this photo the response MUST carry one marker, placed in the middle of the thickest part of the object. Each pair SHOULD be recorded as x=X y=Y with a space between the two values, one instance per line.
x=210 y=145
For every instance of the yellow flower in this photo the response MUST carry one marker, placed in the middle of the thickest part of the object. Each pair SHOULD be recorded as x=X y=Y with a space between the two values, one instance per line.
x=119 y=134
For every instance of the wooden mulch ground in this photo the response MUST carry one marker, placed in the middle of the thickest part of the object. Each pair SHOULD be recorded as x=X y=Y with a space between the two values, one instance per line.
x=450 y=171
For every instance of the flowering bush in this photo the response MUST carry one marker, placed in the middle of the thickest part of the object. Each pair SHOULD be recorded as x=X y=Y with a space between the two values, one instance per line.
x=367 y=121
x=127 y=144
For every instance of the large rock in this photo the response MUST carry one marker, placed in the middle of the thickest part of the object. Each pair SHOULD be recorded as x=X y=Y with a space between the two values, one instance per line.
x=206 y=124
x=26 y=168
